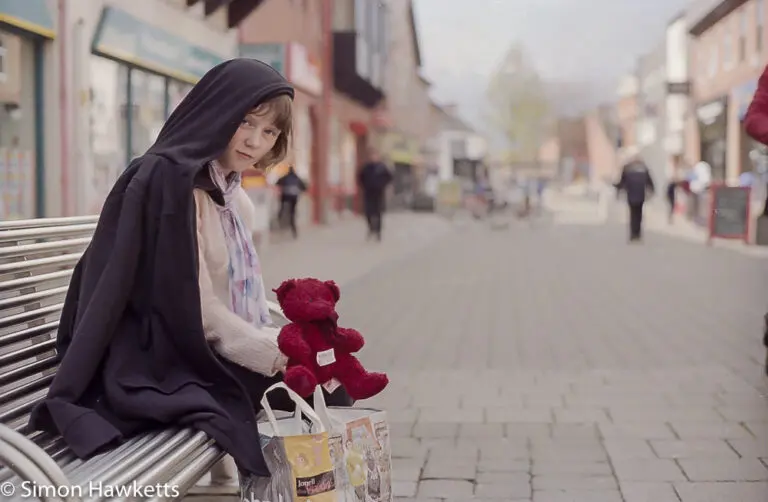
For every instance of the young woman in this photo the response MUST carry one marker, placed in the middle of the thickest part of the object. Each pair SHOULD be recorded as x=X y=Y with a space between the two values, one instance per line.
x=165 y=321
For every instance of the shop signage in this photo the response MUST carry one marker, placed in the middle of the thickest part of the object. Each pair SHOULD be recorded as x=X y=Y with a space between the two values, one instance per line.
x=293 y=60
x=304 y=69
x=683 y=88
x=271 y=54
x=123 y=37
x=28 y=15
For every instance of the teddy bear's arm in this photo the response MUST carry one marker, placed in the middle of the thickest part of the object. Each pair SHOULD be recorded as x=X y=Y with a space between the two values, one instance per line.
x=350 y=340
x=291 y=343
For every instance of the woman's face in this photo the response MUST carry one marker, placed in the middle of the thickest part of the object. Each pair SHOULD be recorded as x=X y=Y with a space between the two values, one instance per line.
x=254 y=138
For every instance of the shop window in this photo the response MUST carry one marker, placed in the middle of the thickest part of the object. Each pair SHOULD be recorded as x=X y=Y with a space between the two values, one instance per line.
x=743 y=35
x=148 y=110
x=108 y=127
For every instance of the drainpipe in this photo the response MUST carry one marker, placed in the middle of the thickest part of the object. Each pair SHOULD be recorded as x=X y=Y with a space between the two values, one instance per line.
x=63 y=108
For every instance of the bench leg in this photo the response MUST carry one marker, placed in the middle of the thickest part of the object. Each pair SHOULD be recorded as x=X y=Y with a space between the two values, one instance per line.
x=224 y=472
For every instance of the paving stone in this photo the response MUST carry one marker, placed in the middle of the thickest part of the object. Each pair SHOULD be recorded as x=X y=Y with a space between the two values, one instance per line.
x=744 y=469
x=444 y=488
x=572 y=467
x=576 y=496
x=505 y=491
x=636 y=430
x=504 y=465
x=647 y=470
x=619 y=449
x=527 y=430
x=706 y=448
x=404 y=488
x=582 y=415
x=451 y=416
x=716 y=492
x=648 y=492
x=574 y=482
x=710 y=430
x=474 y=430
x=449 y=470
x=435 y=430
x=497 y=414
x=750 y=448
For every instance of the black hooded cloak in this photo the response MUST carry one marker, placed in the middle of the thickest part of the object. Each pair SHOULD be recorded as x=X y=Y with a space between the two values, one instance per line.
x=133 y=355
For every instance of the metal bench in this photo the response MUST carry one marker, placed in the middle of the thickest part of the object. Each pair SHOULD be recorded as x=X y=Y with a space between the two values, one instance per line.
x=37 y=258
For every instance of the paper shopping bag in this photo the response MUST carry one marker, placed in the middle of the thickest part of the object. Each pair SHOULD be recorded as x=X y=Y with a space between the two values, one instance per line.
x=297 y=456
x=360 y=450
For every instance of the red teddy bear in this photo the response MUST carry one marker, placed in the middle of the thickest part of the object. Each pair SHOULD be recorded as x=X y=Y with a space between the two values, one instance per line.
x=318 y=349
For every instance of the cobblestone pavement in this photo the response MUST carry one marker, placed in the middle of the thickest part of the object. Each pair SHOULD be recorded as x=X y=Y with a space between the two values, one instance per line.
x=555 y=363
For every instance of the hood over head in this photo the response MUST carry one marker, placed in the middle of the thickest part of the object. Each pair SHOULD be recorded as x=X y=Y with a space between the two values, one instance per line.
x=202 y=125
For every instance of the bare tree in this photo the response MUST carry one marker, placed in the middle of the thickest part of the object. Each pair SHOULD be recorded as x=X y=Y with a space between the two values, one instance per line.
x=519 y=107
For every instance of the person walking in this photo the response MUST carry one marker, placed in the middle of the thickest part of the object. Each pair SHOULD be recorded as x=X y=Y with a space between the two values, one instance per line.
x=637 y=183
x=291 y=187
x=374 y=177
x=671 y=197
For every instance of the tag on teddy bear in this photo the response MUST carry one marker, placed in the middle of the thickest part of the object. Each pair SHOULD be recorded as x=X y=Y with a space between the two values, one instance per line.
x=331 y=385
x=326 y=357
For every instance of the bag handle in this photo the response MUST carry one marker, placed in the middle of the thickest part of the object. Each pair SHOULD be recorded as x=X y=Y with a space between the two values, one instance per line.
x=321 y=409
x=301 y=407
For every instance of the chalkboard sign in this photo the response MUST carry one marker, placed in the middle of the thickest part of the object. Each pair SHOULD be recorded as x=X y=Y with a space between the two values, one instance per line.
x=729 y=212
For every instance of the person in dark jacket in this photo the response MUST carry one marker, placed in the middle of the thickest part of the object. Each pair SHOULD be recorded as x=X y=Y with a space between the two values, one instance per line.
x=291 y=187
x=373 y=180
x=637 y=183
x=134 y=342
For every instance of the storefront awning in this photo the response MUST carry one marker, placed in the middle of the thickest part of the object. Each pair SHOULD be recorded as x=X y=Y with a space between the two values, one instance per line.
x=28 y=15
x=122 y=37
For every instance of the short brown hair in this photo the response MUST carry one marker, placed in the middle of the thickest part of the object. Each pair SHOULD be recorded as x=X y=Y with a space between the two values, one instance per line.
x=282 y=108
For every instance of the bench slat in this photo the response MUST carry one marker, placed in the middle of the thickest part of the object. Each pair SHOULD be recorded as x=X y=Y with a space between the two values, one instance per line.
x=28 y=370
x=34 y=280
x=25 y=389
x=30 y=316
x=31 y=298
x=64 y=260
x=28 y=334
x=27 y=234
x=27 y=352
x=27 y=250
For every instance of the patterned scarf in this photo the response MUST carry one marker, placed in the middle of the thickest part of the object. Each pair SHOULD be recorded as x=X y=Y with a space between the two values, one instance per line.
x=246 y=287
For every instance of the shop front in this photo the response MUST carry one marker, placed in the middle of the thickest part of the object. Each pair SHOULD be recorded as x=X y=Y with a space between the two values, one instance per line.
x=138 y=75
x=713 y=133
x=26 y=27
x=301 y=67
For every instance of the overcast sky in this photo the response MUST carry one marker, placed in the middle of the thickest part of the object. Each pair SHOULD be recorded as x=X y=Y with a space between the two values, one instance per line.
x=573 y=40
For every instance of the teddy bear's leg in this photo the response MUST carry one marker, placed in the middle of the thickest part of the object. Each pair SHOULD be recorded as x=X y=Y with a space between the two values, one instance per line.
x=301 y=380
x=358 y=383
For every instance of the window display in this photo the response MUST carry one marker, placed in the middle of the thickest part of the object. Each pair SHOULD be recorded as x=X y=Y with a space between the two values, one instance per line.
x=148 y=110
x=108 y=131
x=17 y=128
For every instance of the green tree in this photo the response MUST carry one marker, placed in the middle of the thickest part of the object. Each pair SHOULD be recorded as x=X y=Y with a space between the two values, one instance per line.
x=519 y=108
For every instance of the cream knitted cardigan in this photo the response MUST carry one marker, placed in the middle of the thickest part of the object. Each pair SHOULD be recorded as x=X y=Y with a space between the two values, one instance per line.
x=229 y=335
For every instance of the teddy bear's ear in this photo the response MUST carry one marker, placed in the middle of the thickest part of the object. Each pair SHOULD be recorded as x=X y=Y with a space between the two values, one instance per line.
x=284 y=288
x=334 y=289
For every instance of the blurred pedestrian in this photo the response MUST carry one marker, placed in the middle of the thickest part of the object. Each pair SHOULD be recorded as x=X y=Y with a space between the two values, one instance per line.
x=291 y=187
x=637 y=183
x=671 y=197
x=373 y=179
